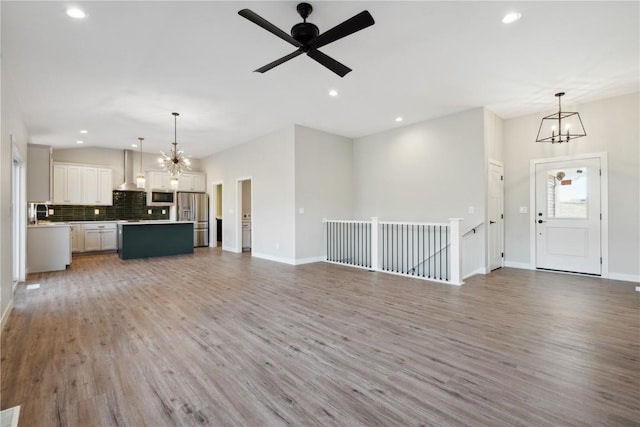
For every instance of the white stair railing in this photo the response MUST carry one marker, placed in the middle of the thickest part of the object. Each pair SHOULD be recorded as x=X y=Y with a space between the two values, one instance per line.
x=429 y=251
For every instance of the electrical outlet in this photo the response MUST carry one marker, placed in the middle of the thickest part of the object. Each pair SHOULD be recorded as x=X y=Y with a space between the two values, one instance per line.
x=149 y=211
x=637 y=288
x=471 y=209
x=50 y=211
x=96 y=211
x=524 y=209
x=277 y=245
x=164 y=211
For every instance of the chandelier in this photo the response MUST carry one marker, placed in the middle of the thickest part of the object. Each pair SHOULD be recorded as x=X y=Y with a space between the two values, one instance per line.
x=175 y=163
x=140 y=178
x=551 y=127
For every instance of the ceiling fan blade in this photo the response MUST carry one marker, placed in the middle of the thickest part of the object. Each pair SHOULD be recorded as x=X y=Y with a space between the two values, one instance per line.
x=329 y=62
x=279 y=61
x=350 y=26
x=258 y=20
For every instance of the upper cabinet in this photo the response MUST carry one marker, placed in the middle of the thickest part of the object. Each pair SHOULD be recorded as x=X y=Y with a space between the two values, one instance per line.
x=188 y=181
x=97 y=186
x=38 y=173
x=192 y=181
x=67 y=185
x=82 y=185
x=158 y=180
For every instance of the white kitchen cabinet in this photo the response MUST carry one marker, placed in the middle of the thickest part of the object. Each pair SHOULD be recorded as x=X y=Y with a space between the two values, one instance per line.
x=38 y=173
x=100 y=237
x=82 y=185
x=48 y=248
x=77 y=238
x=158 y=180
x=97 y=186
x=195 y=182
x=67 y=184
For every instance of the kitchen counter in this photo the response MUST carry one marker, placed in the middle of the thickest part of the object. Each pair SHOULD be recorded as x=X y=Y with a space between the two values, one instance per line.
x=152 y=221
x=48 y=247
x=154 y=238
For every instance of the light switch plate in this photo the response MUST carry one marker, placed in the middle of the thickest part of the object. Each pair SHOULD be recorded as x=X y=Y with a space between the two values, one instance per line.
x=149 y=211
x=50 y=211
x=96 y=211
x=471 y=209
x=524 y=209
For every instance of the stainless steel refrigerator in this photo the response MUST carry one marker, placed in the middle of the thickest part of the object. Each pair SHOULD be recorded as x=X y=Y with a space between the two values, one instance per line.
x=195 y=207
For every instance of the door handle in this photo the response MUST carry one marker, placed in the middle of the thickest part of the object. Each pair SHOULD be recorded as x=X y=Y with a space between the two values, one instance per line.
x=541 y=221
x=491 y=222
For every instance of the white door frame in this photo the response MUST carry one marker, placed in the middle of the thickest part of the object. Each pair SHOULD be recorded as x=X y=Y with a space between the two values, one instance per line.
x=18 y=214
x=238 y=213
x=604 y=205
x=213 y=230
x=501 y=221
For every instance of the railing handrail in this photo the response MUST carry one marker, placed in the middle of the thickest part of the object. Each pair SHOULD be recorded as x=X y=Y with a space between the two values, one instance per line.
x=437 y=224
x=347 y=221
x=363 y=243
x=473 y=228
x=351 y=221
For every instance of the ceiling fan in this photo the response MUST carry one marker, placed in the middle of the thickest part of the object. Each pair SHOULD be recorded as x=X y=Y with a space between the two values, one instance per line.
x=307 y=38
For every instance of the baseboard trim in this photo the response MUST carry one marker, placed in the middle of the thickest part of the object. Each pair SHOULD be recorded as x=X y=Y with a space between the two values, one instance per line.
x=520 y=265
x=624 y=277
x=310 y=260
x=481 y=270
x=5 y=315
x=274 y=258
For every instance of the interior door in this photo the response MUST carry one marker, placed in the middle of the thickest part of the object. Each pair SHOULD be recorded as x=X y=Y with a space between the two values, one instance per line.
x=496 y=217
x=568 y=216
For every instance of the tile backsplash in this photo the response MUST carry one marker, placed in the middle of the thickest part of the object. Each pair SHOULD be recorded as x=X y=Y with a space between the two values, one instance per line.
x=126 y=205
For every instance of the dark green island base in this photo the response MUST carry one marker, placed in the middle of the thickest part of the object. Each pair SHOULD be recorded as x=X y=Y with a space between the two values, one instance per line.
x=149 y=239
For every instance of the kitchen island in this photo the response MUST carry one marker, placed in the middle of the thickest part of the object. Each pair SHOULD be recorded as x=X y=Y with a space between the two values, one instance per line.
x=143 y=239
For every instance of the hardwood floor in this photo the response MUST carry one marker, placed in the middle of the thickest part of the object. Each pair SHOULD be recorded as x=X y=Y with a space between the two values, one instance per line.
x=223 y=339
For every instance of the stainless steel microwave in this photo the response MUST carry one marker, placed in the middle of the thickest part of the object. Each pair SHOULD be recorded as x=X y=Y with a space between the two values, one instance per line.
x=160 y=198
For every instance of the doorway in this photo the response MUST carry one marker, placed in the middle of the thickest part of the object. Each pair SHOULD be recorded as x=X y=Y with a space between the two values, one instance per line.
x=244 y=233
x=216 y=232
x=18 y=215
x=496 y=215
x=568 y=214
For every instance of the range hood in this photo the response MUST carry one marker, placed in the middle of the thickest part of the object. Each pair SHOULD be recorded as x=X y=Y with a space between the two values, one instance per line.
x=129 y=183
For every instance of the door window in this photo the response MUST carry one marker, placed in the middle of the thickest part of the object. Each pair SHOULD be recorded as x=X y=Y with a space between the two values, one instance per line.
x=567 y=193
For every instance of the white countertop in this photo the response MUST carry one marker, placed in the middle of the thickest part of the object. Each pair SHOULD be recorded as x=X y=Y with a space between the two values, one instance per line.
x=49 y=225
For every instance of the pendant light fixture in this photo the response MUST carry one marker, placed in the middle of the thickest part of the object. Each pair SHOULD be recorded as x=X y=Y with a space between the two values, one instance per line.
x=176 y=162
x=140 y=178
x=560 y=127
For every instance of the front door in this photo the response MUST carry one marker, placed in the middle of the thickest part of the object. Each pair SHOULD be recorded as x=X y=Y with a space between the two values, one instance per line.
x=568 y=216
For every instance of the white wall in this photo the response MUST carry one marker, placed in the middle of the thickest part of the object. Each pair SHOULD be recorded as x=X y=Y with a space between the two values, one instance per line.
x=114 y=159
x=430 y=171
x=323 y=187
x=12 y=124
x=269 y=162
x=612 y=126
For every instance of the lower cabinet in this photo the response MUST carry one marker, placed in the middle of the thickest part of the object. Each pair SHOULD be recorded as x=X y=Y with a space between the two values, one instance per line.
x=48 y=248
x=95 y=237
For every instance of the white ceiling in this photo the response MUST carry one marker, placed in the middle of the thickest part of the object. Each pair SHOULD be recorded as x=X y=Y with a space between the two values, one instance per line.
x=123 y=70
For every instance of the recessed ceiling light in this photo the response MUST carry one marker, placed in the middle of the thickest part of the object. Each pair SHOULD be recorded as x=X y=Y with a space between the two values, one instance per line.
x=398 y=119
x=333 y=92
x=84 y=131
x=134 y=145
x=79 y=142
x=511 y=17
x=76 y=13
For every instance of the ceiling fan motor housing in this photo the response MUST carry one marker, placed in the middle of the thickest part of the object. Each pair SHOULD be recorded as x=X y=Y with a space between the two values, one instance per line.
x=304 y=32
